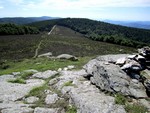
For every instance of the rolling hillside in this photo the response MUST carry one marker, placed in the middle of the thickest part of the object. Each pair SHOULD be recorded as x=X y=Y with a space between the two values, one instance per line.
x=100 y=31
x=62 y=40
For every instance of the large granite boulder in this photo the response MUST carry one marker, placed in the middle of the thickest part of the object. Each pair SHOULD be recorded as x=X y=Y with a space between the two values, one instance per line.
x=49 y=54
x=67 y=57
x=110 y=77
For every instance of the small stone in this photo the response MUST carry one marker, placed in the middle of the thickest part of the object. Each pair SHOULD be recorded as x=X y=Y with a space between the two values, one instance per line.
x=60 y=69
x=131 y=56
x=106 y=63
x=121 y=61
x=135 y=81
x=31 y=100
x=71 y=67
x=45 y=54
x=65 y=69
x=139 y=57
x=47 y=92
x=31 y=70
x=50 y=99
x=53 y=81
x=16 y=73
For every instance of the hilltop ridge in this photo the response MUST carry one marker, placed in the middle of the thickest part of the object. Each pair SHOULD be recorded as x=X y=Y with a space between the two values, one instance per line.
x=100 y=31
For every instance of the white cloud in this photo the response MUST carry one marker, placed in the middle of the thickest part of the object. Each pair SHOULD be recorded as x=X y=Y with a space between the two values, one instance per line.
x=1 y=7
x=17 y=2
x=80 y=5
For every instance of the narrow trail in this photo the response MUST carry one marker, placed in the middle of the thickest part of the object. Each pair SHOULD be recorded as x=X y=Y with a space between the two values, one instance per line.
x=37 y=49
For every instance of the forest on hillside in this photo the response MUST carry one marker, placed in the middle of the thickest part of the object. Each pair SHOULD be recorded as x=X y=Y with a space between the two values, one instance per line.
x=12 y=29
x=100 y=31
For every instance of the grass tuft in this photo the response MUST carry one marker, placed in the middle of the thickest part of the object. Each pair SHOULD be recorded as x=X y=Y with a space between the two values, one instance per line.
x=120 y=99
x=71 y=109
x=69 y=83
x=26 y=75
x=18 y=80
x=135 y=108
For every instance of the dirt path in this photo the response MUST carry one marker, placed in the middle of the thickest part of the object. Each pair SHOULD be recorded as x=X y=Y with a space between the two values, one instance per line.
x=52 y=30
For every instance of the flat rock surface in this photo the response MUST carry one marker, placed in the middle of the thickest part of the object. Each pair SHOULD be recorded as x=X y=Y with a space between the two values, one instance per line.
x=46 y=110
x=45 y=75
x=11 y=92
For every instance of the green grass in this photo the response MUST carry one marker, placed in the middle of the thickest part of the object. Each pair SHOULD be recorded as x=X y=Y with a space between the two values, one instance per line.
x=130 y=108
x=21 y=77
x=18 y=80
x=120 y=99
x=69 y=83
x=40 y=93
x=26 y=75
x=42 y=64
x=71 y=109
x=135 y=108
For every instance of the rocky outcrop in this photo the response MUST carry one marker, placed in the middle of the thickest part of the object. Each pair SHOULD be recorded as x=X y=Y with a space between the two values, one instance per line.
x=110 y=77
x=85 y=96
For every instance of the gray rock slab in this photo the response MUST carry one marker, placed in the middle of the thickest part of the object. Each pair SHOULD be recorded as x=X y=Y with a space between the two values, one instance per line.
x=15 y=91
x=45 y=75
x=14 y=107
x=18 y=110
x=46 y=110
x=111 y=58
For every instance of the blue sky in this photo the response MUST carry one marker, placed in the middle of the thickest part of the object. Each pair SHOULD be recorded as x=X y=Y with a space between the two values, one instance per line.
x=138 y=10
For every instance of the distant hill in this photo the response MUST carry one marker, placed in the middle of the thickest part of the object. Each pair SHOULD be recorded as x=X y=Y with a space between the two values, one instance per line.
x=100 y=31
x=136 y=24
x=24 y=20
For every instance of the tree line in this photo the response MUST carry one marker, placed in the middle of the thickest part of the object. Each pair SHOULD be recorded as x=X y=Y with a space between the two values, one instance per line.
x=12 y=29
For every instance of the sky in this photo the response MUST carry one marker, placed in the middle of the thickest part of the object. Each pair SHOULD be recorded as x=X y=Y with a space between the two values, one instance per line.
x=124 y=10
